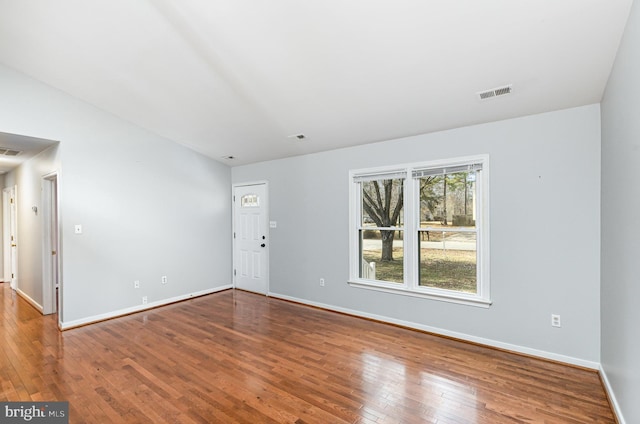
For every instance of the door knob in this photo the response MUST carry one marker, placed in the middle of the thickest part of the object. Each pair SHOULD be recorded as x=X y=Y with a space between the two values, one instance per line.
x=262 y=245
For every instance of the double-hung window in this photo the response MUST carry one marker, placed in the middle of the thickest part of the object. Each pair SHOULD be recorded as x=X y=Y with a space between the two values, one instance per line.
x=422 y=230
x=380 y=227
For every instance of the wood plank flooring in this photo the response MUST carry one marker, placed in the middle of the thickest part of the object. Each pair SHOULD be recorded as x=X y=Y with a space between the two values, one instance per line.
x=238 y=357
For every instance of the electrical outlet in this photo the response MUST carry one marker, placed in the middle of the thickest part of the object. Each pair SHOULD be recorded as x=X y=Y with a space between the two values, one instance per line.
x=555 y=320
x=164 y=279
x=144 y=300
x=322 y=282
x=136 y=284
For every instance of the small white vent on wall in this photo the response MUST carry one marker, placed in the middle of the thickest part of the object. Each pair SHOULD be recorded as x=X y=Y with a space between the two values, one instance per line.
x=494 y=92
x=4 y=151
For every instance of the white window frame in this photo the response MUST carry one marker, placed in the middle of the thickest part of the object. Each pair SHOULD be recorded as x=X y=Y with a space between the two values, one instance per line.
x=410 y=286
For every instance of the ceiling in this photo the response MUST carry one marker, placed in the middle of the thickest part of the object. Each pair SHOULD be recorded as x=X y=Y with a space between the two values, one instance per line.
x=238 y=77
x=15 y=149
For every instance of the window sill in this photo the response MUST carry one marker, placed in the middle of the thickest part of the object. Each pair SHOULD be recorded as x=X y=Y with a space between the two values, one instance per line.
x=443 y=296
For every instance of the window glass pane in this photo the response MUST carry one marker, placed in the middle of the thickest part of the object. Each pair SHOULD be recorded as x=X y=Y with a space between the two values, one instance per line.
x=448 y=260
x=445 y=200
x=382 y=255
x=448 y=200
x=250 y=201
x=382 y=203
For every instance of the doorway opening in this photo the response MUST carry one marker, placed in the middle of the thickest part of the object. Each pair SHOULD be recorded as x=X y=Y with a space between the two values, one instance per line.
x=250 y=238
x=10 y=236
x=51 y=282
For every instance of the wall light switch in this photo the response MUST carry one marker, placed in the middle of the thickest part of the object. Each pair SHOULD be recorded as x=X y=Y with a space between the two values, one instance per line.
x=273 y=224
x=78 y=229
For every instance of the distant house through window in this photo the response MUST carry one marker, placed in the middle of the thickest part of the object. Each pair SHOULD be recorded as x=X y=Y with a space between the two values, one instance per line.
x=422 y=230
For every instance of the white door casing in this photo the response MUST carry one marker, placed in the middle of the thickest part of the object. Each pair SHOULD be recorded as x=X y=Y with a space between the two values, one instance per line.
x=7 y=195
x=251 y=241
x=6 y=237
x=10 y=236
x=50 y=245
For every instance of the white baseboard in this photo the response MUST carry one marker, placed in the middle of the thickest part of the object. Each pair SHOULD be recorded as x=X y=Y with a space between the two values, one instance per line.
x=612 y=396
x=487 y=342
x=138 y=308
x=30 y=300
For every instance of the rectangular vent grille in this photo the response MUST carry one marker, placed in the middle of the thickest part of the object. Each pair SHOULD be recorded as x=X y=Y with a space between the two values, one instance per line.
x=495 y=92
x=9 y=152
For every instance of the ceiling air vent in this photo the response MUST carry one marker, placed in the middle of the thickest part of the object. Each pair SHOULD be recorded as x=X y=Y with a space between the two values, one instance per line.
x=9 y=152
x=495 y=92
x=298 y=137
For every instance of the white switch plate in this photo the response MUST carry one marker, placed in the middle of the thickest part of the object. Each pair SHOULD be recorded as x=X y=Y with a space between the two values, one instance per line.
x=78 y=229
x=273 y=224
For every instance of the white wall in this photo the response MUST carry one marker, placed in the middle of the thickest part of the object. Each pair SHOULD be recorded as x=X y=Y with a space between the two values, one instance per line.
x=28 y=178
x=621 y=223
x=545 y=218
x=149 y=207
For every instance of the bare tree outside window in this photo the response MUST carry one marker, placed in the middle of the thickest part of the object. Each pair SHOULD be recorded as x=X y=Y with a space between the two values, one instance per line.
x=382 y=202
x=447 y=234
x=420 y=229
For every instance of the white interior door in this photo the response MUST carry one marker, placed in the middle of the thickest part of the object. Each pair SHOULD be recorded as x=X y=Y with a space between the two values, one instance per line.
x=251 y=244
x=6 y=236
x=51 y=251
x=13 y=236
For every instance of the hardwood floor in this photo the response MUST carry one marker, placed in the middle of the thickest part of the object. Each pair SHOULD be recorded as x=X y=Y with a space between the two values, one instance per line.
x=239 y=357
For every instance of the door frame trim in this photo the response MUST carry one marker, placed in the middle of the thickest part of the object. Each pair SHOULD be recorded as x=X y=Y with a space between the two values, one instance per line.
x=48 y=289
x=8 y=268
x=233 y=228
x=6 y=255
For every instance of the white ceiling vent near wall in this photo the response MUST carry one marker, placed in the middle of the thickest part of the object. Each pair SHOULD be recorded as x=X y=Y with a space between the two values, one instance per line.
x=495 y=92
x=4 y=151
x=298 y=137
